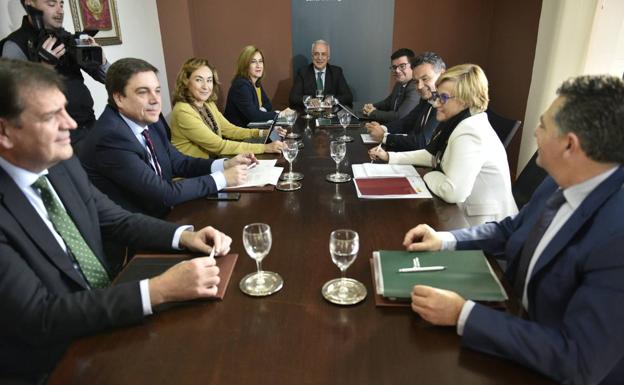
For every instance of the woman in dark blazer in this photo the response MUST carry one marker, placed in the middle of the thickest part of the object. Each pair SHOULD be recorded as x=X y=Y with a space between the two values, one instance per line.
x=247 y=101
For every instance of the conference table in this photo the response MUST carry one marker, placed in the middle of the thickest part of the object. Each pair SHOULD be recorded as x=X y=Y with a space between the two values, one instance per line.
x=295 y=336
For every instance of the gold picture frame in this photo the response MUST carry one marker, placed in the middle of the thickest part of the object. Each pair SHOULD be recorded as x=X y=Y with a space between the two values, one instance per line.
x=100 y=15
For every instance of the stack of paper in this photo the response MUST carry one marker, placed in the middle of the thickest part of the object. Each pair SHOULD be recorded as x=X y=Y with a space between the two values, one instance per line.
x=264 y=173
x=388 y=181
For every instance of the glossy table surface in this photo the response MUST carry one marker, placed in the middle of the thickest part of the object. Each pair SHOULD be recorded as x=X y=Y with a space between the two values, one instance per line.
x=295 y=336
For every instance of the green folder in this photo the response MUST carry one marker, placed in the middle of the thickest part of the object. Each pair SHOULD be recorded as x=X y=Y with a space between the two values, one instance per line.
x=466 y=272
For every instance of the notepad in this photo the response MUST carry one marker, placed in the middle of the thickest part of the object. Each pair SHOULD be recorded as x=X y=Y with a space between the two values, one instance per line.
x=466 y=272
x=388 y=181
x=144 y=266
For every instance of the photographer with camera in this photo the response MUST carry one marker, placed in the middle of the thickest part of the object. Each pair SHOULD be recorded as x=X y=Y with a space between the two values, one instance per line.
x=41 y=38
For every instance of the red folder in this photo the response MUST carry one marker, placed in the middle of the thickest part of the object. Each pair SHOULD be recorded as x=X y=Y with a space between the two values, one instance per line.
x=385 y=186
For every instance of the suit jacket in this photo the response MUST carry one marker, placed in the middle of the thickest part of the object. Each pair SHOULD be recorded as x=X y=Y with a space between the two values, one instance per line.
x=44 y=301
x=192 y=136
x=403 y=98
x=407 y=133
x=305 y=84
x=475 y=171
x=242 y=104
x=119 y=166
x=575 y=293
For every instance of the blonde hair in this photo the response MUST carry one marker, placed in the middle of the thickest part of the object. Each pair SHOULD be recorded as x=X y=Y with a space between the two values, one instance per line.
x=244 y=60
x=181 y=92
x=470 y=86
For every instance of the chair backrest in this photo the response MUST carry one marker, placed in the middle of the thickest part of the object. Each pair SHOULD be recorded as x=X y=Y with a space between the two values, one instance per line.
x=528 y=180
x=505 y=128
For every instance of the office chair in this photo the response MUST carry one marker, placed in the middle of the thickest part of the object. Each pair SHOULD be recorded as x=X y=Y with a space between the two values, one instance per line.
x=528 y=180
x=505 y=128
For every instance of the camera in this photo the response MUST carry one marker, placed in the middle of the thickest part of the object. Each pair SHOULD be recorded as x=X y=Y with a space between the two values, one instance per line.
x=84 y=55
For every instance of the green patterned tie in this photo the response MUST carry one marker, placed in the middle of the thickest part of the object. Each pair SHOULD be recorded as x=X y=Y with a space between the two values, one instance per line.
x=319 y=81
x=91 y=267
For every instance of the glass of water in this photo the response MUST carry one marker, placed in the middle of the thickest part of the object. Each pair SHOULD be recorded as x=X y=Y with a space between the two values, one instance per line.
x=337 y=150
x=291 y=118
x=345 y=119
x=257 y=240
x=344 y=245
x=289 y=180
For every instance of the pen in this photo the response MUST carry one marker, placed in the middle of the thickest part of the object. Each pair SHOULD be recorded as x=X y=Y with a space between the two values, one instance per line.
x=212 y=252
x=421 y=269
x=252 y=165
x=377 y=148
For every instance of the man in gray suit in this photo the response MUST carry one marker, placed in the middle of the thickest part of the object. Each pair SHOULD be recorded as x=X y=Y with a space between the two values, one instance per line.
x=404 y=96
x=55 y=278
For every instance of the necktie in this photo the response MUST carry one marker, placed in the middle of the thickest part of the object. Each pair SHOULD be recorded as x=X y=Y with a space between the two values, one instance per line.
x=396 y=100
x=319 y=81
x=553 y=204
x=91 y=267
x=152 y=151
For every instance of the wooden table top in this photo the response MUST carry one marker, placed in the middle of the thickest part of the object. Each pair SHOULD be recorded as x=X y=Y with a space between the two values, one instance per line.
x=295 y=336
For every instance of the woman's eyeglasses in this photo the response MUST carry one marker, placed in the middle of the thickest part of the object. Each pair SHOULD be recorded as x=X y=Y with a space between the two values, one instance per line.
x=438 y=97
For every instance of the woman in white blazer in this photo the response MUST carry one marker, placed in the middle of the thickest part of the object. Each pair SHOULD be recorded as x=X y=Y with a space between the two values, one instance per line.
x=469 y=161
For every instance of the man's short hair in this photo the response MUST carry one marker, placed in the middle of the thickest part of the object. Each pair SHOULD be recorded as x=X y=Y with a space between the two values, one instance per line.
x=594 y=110
x=319 y=42
x=403 y=52
x=432 y=58
x=17 y=75
x=120 y=73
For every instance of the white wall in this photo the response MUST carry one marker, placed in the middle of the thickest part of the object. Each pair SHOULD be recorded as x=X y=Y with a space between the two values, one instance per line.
x=562 y=43
x=575 y=37
x=140 y=33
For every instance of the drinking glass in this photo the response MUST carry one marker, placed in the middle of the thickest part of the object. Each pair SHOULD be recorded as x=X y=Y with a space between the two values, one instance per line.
x=319 y=95
x=344 y=245
x=330 y=101
x=257 y=240
x=306 y=106
x=337 y=150
x=345 y=119
x=291 y=118
x=289 y=179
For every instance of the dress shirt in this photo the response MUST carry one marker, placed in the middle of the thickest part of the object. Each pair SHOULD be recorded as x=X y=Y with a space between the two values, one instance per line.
x=574 y=195
x=216 y=168
x=24 y=179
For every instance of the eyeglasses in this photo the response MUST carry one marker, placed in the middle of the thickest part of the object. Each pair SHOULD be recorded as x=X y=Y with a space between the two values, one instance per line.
x=442 y=98
x=401 y=66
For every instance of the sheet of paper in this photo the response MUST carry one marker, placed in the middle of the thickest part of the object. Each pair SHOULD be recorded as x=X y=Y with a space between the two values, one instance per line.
x=378 y=170
x=262 y=174
x=367 y=139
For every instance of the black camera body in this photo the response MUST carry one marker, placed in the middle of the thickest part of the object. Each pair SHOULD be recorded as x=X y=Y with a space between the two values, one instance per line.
x=85 y=56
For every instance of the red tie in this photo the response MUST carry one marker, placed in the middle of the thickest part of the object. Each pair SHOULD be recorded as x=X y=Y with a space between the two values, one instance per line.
x=152 y=151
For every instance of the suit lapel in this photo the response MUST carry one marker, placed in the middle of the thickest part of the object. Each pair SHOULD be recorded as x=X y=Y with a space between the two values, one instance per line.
x=33 y=226
x=584 y=212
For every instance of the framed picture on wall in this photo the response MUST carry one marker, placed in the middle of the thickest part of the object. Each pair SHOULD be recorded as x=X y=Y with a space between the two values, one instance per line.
x=98 y=15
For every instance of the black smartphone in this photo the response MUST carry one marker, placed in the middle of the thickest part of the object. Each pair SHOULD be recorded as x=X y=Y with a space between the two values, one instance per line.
x=224 y=196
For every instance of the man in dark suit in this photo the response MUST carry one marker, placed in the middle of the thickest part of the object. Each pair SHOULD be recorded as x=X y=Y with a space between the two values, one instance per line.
x=54 y=276
x=128 y=157
x=413 y=131
x=320 y=75
x=404 y=96
x=564 y=249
